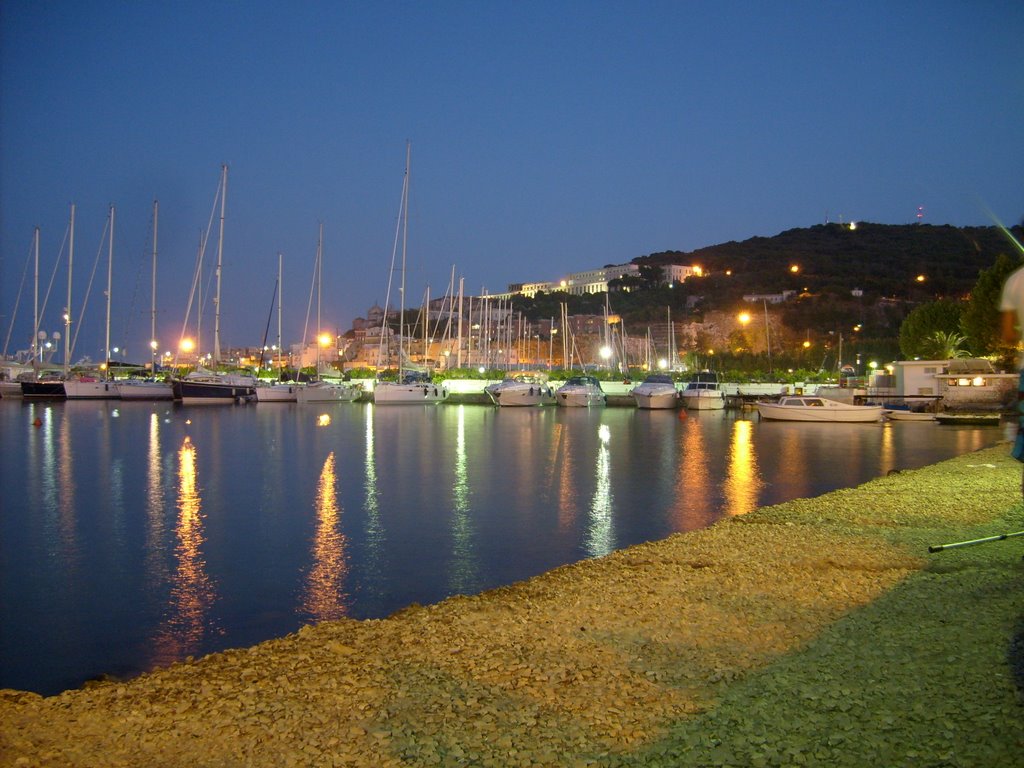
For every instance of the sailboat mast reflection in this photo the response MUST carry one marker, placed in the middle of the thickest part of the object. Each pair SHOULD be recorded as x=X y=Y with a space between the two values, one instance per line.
x=324 y=599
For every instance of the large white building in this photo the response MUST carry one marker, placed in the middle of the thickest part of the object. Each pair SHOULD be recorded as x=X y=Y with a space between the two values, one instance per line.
x=596 y=280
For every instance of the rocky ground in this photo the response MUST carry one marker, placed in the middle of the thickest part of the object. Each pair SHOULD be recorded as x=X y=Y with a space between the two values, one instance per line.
x=819 y=631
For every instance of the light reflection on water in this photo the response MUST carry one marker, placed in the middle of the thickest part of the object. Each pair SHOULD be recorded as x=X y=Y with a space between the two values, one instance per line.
x=134 y=534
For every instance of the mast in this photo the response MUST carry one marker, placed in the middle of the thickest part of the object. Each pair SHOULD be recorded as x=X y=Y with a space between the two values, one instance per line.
x=35 y=309
x=458 y=357
x=405 y=239
x=67 y=308
x=220 y=254
x=152 y=296
x=279 y=366
x=318 y=270
x=110 y=273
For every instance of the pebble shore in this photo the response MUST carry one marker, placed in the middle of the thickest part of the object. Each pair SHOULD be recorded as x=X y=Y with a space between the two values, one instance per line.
x=820 y=631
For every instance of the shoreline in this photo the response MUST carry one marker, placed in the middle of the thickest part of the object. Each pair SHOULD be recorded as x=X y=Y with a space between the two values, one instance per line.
x=818 y=630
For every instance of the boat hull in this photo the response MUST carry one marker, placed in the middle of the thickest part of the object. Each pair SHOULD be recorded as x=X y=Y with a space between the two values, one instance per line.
x=521 y=396
x=656 y=400
x=326 y=393
x=208 y=392
x=391 y=393
x=145 y=390
x=854 y=414
x=53 y=390
x=277 y=393
x=581 y=399
x=704 y=400
x=75 y=389
x=10 y=390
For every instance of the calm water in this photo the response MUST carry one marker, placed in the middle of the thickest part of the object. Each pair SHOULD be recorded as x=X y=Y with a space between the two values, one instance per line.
x=134 y=534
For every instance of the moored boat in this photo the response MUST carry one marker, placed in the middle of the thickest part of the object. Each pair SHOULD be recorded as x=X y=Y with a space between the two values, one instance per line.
x=327 y=392
x=203 y=386
x=136 y=388
x=414 y=388
x=581 y=392
x=820 y=409
x=525 y=389
x=658 y=390
x=704 y=392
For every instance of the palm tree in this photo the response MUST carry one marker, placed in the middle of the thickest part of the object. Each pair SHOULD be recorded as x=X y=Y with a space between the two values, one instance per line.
x=945 y=345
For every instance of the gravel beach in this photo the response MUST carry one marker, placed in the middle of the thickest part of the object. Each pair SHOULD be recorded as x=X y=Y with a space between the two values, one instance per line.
x=820 y=631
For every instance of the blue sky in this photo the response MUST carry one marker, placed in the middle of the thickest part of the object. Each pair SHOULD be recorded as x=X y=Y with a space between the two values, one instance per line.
x=547 y=137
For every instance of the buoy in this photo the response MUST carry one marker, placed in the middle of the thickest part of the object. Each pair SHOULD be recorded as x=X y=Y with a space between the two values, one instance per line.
x=38 y=422
x=682 y=413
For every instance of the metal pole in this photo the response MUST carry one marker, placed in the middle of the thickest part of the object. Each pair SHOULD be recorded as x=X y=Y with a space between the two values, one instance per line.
x=1000 y=537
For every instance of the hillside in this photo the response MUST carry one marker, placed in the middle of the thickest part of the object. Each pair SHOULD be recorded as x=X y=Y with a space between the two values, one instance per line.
x=880 y=259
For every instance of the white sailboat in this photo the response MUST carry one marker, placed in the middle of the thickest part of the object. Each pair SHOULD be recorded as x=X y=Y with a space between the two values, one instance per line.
x=411 y=386
x=320 y=390
x=278 y=391
x=149 y=388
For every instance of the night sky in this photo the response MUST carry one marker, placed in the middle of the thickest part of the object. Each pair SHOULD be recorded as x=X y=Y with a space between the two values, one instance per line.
x=547 y=137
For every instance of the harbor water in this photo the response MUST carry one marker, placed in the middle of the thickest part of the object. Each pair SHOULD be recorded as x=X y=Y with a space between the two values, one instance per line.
x=134 y=535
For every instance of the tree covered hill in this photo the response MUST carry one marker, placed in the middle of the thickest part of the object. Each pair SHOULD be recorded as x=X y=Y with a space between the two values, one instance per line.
x=881 y=260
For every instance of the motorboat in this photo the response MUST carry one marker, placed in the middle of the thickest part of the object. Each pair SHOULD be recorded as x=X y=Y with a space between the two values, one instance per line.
x=658 y=390
x=803 y=408
x=326 y=392
x=581 y=392
x=902 y=414
x=414 y=388
x=524 y=389
x=704 y=392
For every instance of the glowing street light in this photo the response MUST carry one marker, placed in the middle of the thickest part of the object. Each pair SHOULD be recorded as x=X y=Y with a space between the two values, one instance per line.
x=187 y=345
x=324 y=339
x=744 y=318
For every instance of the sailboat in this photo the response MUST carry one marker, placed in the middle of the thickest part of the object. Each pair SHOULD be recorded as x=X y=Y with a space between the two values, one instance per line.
x=205 y=386
x=276 y=392
x=321 y=391
x=150 y=388
x=412 y=386
x=49 y=384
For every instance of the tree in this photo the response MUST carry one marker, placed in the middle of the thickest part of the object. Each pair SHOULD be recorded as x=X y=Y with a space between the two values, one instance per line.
x=923 y=322
x=980 y=319
x=943 y=345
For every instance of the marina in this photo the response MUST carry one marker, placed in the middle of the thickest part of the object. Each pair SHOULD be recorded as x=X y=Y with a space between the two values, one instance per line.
x=136 y=534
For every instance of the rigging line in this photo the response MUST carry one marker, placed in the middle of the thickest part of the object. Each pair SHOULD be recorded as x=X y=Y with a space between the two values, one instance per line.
x=21 y=288
x=143 y=261
x=197 y=275
x=88 y=288
x=53 y=275
x=391 y=273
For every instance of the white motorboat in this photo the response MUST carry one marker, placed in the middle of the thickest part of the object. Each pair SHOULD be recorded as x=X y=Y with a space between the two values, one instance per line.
x=326 y=392
x=524 y=389
x=704 y=392
x=658 y=390
x=801 y=408
x=581 y=392
x=414 y=388
x=905 y=414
